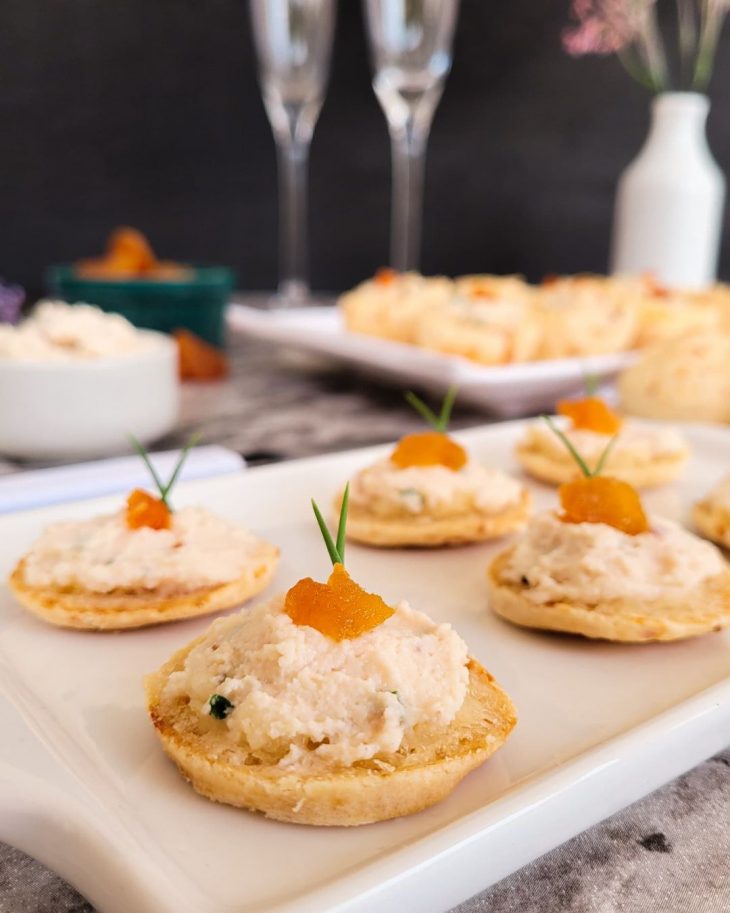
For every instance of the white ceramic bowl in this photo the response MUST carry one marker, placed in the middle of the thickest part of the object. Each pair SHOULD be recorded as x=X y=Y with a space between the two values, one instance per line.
x=85 y=409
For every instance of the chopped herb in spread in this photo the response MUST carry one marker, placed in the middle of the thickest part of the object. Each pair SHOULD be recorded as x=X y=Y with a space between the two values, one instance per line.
x=220 y=706
x=413 y=497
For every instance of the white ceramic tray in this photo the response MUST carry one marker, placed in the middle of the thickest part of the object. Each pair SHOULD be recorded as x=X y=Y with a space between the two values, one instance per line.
x=506 y=390
x=84 y=785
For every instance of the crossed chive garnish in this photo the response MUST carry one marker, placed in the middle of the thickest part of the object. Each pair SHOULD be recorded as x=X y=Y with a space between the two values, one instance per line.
x=220 y=706
x=584 y=468
x=438 y=422
x=164 y=490
x=336 y=549
x=590 y=384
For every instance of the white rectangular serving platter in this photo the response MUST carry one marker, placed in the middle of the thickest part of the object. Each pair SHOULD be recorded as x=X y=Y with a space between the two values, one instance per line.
x=505 y=390
x=84 y=785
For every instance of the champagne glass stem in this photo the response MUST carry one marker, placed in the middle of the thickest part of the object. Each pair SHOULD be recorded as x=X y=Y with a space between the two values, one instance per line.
x=408 y=150
x=292 y=170
x=293 y=40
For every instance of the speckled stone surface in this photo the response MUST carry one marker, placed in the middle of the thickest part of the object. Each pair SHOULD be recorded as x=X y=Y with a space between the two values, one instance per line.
x=669 y=853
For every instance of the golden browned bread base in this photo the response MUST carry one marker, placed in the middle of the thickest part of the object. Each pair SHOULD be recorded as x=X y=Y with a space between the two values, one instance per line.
x=76 y=608
x=425 y=531
x=707 y=608
x=407 y=782
x=712 y=521
x=546 y=468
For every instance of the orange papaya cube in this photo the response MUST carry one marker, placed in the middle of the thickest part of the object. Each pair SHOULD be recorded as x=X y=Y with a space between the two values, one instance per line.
x=131 y=245
x=115 y=266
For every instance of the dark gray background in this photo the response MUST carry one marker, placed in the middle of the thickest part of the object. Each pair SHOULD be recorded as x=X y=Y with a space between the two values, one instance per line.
x=147 y=112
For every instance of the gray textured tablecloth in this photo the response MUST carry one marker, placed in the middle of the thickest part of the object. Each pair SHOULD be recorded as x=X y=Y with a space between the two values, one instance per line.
x=669 y=853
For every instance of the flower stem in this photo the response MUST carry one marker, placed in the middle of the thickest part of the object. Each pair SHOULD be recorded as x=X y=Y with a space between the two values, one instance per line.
x=712 y=18
x=653 y=51
x=686 y=39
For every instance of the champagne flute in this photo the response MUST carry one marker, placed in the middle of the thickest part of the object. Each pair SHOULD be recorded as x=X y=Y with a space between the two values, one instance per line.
x=410 y=45
x=293 y=41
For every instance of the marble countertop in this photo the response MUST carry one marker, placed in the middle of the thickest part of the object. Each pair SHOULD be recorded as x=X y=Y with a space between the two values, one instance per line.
x=669 y=852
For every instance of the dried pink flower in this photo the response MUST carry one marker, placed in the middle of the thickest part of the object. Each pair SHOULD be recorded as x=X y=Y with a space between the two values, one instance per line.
x=605 y=26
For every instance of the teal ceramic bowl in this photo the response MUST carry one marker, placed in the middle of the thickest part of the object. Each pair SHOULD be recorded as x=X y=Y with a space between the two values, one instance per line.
x=197 y=303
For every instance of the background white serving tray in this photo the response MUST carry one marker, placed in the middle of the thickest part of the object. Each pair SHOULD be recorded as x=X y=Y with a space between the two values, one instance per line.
x=506 y=390
x=84 y=785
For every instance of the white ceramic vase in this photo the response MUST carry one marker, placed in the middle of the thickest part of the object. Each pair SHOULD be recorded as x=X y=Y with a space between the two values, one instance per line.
x=670 y=199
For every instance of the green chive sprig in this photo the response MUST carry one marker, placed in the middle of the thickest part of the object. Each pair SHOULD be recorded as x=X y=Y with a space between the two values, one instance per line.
x=584 y=468
x=164 y=490
x=438 y=422
x=336 y=549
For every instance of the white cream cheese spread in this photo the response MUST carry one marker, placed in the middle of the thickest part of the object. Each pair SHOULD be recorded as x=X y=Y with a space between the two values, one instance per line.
x=590 y=563
x=56 y=331
x=303 y=700
x=103 y=554
x=384 y=489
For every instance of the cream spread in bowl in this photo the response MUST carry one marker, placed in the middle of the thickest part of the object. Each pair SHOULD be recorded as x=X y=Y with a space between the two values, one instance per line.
x=591 y=563
x=385 y=490
x=637 y=442
x=103 y=554
x=60 y=332
x=302 y=700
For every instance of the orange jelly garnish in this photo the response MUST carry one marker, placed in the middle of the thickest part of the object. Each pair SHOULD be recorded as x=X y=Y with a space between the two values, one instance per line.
x=482 y=291
x=601 y=499
x=590 y=414
x=654 y=288
x=143 y=509
x=339 y=609
x=430 y=448
x=385 y=275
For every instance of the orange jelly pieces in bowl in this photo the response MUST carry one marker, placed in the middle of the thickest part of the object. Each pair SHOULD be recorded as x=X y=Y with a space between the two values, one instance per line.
x=431 y=448
x=133 y=246
x=601 y=499
x=590 y=414
x=339 y=609
x=197 y=359
x=143 y=509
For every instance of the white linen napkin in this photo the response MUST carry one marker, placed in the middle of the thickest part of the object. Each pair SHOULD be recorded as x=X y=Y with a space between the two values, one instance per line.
x=41 y=487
